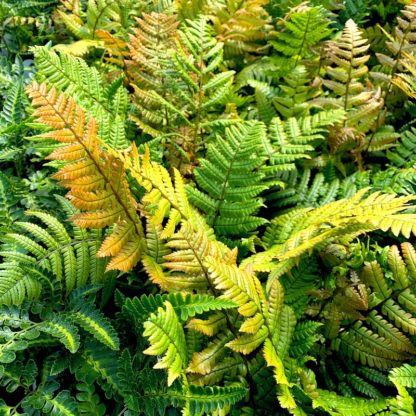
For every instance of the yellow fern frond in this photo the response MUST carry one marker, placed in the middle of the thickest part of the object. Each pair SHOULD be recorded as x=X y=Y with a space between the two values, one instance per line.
x=203 y=362
x=339 y=219
x=208 y=326
x=241 y=286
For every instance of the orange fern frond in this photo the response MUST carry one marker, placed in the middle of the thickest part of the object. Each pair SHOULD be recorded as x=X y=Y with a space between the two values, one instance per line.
x=95 y=178
x=116 y=49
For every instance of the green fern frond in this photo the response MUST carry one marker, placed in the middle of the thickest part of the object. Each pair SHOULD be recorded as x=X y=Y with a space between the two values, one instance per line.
x=230 y=181
x=71 y=258
x=94 y=322
x=166 y=336
x=64 y=330
x=295 y=94
x=345 y=406
x=304 y=27
x=403 y=154
x=185 y=305
x=196 y=399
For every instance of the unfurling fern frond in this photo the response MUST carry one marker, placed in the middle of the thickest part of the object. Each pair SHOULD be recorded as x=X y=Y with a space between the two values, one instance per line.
x=229 y=180
x=96 y=180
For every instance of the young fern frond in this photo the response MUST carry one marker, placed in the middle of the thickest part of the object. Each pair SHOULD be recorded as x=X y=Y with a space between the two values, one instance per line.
x=184 y=94
x=155 y=35
x=96 y=180
x=347 y=72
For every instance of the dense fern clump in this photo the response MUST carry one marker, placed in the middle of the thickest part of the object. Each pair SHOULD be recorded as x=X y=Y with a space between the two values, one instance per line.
x=207 y=207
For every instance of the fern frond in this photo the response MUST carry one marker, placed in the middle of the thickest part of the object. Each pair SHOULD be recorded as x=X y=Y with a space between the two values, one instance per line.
x=404 y=375
x=64 y=330
x=71 y=75
x=230 y=180
x=94 y=322
x=242 y=27
x=112 y=201
x=204 y=361
x=348 y=406
x=185 y=305
x=350 y=216
x=198 y=399
x=304 y=27
x=347 y=71
x=166 y=336
x=240 y=286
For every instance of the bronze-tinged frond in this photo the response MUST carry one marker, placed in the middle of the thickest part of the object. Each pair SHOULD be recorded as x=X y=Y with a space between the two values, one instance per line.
x=95 y=178
x=116 y=50
x=243 y=27
x=350 y=84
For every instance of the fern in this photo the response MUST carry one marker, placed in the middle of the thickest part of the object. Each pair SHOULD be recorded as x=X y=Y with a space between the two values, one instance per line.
x=70 y=258
x=242 y=26
x=164 y=328
x=184 y=306
x=96 y=170
x=230 y=183
x=108 y=104
x=304 y=27
x=185 y=99
x=403 y=154
x=360 y=103
x=343 y=218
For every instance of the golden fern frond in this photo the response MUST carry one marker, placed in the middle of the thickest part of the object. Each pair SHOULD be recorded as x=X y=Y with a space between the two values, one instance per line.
x=241 y=286
x=155 y=34
x=313 y=227
x=95 y=178
x=242 y=26
x=116 y=50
